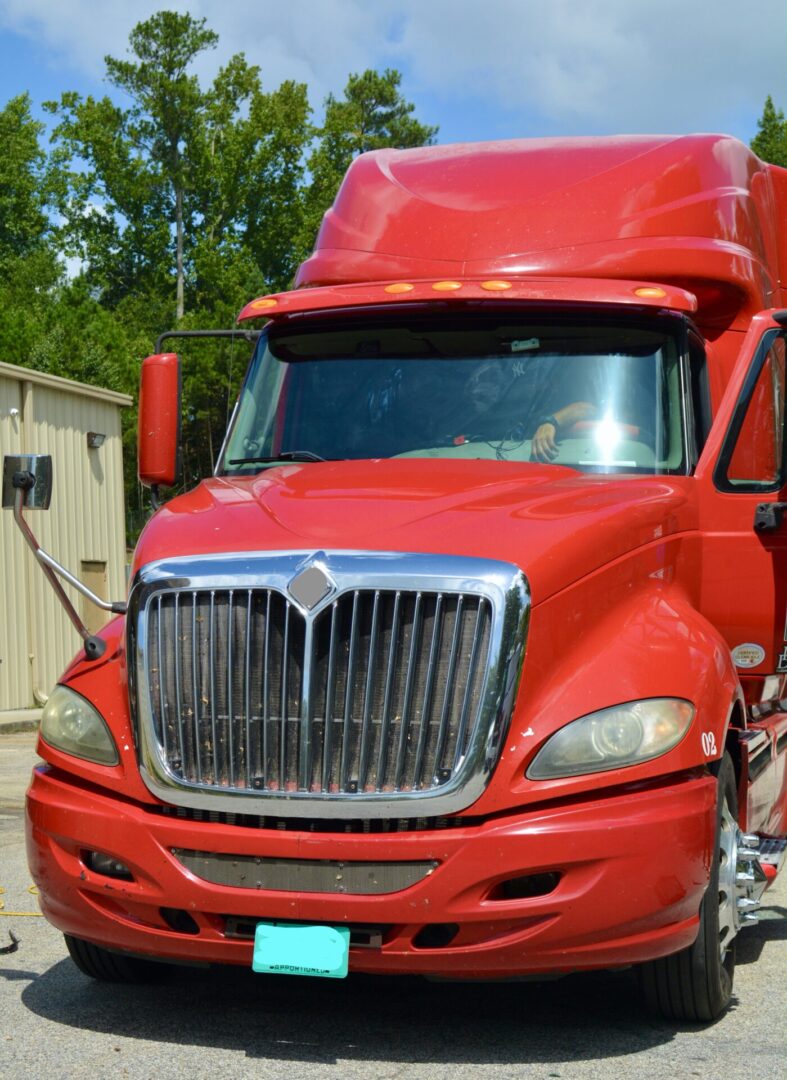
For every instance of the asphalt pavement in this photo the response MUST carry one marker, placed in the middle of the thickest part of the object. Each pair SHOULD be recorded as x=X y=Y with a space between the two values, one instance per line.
x=54 y=1022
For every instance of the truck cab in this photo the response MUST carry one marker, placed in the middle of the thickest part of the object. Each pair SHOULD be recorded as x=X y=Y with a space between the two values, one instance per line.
x=470 y=656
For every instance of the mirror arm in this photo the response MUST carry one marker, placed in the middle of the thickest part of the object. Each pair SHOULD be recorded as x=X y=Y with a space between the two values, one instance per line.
x=94 y=646
x=115 y=606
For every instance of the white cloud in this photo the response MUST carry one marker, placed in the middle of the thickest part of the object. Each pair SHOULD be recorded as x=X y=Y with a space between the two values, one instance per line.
x=318 y=42
x=547 y=65
x=611 y=65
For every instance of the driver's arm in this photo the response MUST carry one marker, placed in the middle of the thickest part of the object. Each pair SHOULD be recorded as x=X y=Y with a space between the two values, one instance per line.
x=544 y=446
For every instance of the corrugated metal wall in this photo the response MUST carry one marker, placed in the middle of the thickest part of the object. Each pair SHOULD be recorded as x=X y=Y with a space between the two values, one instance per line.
x=84 y=528
x=16 y=689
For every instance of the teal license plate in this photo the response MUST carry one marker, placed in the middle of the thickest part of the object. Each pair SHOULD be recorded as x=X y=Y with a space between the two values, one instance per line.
x=301 y=950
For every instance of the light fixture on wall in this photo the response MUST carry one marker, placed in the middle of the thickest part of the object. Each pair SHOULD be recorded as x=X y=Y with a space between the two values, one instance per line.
x=95 y=439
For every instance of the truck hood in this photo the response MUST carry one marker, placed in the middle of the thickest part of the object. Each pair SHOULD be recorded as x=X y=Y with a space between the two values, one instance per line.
x=555 y=523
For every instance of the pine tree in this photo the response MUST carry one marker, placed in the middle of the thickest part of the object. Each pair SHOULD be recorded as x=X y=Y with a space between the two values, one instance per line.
x=770 y=142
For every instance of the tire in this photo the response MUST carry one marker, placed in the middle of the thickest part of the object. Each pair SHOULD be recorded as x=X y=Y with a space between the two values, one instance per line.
x=114 y=967
x=695 y=985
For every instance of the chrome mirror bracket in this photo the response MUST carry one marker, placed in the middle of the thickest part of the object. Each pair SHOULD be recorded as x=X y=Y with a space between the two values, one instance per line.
x=29 y=479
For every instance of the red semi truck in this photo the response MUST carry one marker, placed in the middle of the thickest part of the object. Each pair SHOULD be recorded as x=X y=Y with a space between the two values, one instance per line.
x=468 y=660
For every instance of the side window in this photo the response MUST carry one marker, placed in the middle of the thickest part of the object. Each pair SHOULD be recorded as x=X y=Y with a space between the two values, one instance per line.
x=757 y=461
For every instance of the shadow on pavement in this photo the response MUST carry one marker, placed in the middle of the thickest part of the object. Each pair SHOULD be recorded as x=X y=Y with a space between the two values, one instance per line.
x=772 y=926
x=15 y=975
x=363 y=1018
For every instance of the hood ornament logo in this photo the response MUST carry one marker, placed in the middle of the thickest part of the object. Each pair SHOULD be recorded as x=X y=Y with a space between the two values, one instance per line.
x=310 y=586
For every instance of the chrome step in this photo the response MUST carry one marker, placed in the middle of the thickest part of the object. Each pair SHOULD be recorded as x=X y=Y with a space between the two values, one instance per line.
x=752 y=854
x=773 y=852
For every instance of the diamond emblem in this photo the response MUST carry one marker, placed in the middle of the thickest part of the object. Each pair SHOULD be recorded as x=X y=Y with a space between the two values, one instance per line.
x=310 y=586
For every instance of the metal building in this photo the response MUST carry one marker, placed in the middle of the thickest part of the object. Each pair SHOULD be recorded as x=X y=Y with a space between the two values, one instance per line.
x=84 y=529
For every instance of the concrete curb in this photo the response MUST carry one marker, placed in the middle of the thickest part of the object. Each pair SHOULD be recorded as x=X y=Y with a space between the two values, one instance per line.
x=19 y=720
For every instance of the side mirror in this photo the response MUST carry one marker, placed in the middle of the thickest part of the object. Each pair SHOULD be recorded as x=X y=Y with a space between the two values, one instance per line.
x=158 y=434
x=33 y=474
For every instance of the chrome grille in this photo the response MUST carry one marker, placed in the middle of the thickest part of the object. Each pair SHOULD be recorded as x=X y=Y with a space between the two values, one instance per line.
x=324 y=686
x=395 y=682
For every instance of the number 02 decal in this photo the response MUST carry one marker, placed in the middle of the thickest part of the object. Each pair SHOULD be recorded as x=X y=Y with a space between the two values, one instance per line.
x=709 y=744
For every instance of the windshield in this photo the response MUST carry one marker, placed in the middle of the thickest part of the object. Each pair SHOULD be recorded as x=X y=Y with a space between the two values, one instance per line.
x=597 y=397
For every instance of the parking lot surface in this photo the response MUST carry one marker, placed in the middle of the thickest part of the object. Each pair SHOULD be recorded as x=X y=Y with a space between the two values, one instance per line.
x=54 y=1022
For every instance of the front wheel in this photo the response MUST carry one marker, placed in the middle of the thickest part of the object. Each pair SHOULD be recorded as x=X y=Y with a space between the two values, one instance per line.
x=109 y=966
x=695 y=985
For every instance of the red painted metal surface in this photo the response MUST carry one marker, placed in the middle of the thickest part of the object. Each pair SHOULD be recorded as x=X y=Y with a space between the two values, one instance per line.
x=698 y=211
x=743 y=577
x=633 y=868
x=158 y=443
x=561 y=523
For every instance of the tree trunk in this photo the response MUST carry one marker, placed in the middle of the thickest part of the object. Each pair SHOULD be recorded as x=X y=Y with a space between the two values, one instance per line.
x=179 y=248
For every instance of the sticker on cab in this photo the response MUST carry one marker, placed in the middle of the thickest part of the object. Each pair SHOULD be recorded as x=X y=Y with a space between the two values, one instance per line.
x=708 y=740
x=748 y=655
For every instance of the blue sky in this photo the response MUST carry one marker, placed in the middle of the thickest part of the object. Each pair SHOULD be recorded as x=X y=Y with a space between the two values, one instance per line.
x=501 y=69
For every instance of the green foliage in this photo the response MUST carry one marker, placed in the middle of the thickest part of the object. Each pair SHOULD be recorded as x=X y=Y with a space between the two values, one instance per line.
x=179 y=202
x=770 y=142
x=188 y=193
x=24 y=224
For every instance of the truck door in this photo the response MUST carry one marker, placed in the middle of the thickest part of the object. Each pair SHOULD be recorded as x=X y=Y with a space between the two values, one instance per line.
x=742 y=486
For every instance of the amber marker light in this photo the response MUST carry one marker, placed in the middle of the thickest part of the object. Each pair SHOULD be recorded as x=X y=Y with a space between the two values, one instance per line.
x=263 y=305
x=495 y=286
x=399 y=287
x=649 y=292
x=447 y=286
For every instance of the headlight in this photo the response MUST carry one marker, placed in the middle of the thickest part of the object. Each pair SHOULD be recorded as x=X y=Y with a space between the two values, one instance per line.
x=623 y=735
x=70 y=723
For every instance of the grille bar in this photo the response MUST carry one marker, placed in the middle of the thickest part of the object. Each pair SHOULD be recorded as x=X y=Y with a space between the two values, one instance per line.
x=382 y=754
x=305 y=738
x=195 y=697
x=162 y=706
x=247 y=687
x=265 y=713
x=449 y=682
x=404 y=728
x=211 y=666
x=178 y=691
x=423 y=729
x=367 y=704
x=473 y=666
x=230 y=748
x=348 y=696
x=329 y=694
x=283 y=697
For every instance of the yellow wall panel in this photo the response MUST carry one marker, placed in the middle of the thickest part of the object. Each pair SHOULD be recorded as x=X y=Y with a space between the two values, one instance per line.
x=15 y=676
x=84 y=524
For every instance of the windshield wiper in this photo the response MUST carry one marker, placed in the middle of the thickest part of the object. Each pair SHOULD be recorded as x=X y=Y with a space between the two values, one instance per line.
x=283 y=455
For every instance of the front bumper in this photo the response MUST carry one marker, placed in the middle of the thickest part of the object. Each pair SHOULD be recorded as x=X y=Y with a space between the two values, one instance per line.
x=632 y=868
